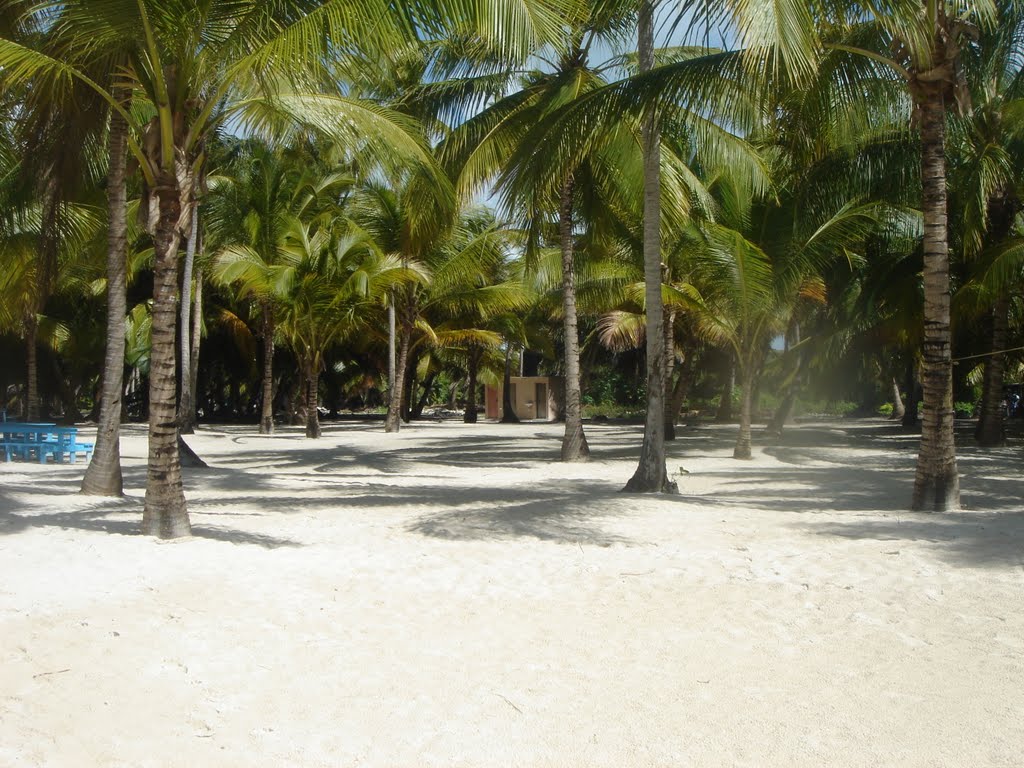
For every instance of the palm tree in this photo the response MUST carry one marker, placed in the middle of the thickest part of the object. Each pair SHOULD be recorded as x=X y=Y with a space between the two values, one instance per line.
x=330 y=280
x=103 y=475
x=199 y=72
x=251 y=206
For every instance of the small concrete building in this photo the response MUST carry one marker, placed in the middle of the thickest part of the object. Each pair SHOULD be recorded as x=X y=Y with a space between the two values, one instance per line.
x=538 y=398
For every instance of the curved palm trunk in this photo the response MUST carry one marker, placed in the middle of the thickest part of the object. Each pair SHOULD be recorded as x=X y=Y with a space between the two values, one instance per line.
x=508 y=409
x=312 y=414
x=474 y=363
x=103 y=475
x=651 y=473
x=186 y=402
x=898 y=409
x=937 y=483
x=742 y=449
x=574 y=441
x=165 y=513
x=424 y=398
x=991 y=429
x=267 y=407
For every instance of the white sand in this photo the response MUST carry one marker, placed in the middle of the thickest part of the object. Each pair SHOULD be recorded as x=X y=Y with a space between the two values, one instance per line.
x=450 y=596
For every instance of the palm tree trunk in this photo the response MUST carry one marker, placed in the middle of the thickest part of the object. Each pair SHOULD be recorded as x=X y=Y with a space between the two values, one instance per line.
x=393 y=420
x=408 y=388
x=651 y=473
x=197 y=338
x=186 y=402
x=670 y=366
x=574 y=441
x=508 y=409
x=424 y=398
x=31 y=367
x=312 y=414
x=267 y=408
x=681 y=389
x=898 y=409
x=991 y=428
x=474 y=363
x=742 y=449
x=103 y=475
x=165 y=513
x=937 y=483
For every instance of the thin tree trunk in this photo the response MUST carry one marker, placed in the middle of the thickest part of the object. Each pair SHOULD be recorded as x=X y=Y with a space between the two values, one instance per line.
x=267 y=407
x=45 y=274
x=197 y=339
x=424 y=398
x=898 y=410
x=574 y=441
x=742 y=449
x=32 y=368
x=391 y=345
x=508 y=409
x=409 y=386
x=312 y=414
x=991 y=429
x=165 y=513
x=681 y=389
x=670 y=365
x=187 y=403
x=937 y=482
x=474 y=362
x=651 y=473
x=393 y=422
x=103 y=475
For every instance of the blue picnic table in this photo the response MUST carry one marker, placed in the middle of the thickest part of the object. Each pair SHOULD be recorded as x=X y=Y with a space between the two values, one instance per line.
x=38 y=440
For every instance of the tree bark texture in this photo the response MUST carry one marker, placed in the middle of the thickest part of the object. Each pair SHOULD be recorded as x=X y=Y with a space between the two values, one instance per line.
x=32 y=368
x=898 y=409
x=742 y=449
x=165 y=513
x=267 y=406
x=574 y=441
x=474 y=363
x=651 y=473
x=187 y=401
x=312 y=414
x=991 y=429
x=103 y=475
x=393 y=420
x=936 y=483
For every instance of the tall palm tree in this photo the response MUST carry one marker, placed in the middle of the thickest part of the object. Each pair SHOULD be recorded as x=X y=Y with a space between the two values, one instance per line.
x=231 y=63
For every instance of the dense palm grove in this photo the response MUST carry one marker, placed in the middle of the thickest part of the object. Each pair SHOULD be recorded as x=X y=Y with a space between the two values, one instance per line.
x=264 y=212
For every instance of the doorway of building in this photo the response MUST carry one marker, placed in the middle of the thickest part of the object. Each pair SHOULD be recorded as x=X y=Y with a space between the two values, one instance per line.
x=541 y=400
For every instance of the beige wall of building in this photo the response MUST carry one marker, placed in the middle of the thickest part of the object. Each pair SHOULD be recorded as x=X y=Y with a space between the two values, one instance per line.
x=533 y=397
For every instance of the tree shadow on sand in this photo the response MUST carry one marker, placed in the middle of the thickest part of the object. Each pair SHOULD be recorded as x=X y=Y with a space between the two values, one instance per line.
x=963 y=539
x=119 y=516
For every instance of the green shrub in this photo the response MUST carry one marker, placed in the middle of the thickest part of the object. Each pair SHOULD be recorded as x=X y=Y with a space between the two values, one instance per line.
x=963 y=410
x=885 y=409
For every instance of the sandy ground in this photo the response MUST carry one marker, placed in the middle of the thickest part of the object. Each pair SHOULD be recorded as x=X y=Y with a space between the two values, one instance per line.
x=451 y=596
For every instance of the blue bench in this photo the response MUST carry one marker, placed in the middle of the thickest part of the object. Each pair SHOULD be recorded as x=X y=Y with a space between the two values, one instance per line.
x=39 y=441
